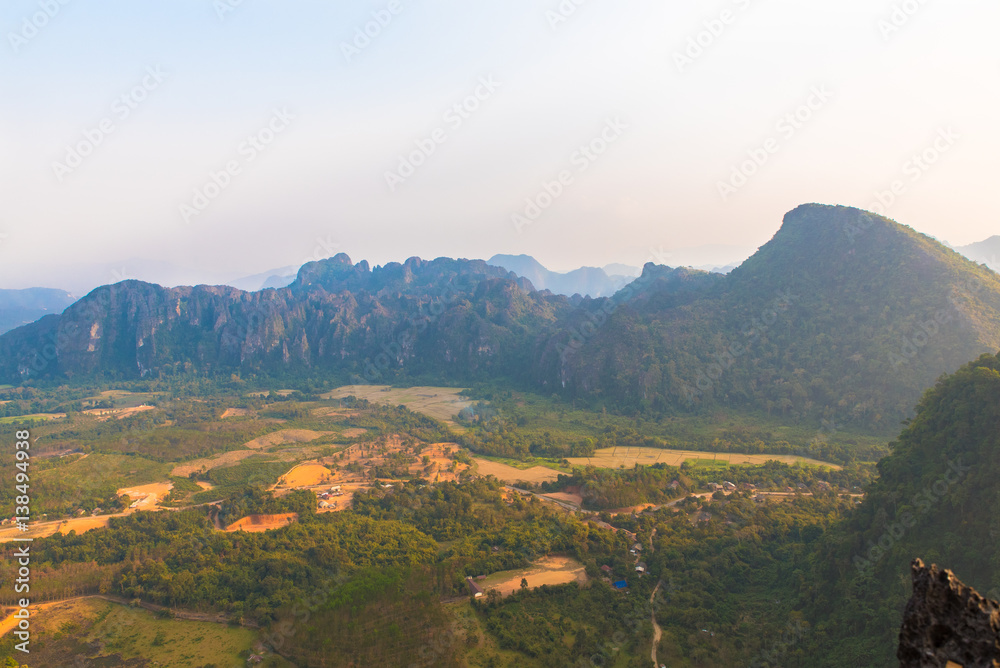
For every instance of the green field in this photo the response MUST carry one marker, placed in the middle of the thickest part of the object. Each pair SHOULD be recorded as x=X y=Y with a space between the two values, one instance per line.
x=73 y=629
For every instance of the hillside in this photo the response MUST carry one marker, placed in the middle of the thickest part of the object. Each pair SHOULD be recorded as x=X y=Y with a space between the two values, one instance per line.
x=937 y=498
x=843 y=315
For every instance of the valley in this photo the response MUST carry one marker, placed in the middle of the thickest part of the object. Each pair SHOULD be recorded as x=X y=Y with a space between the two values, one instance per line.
x=437 y=508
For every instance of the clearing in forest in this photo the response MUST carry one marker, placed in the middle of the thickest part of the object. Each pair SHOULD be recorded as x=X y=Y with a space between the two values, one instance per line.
x=510 y=474
x=545 y=571
x=259 y=523
x=306 y=475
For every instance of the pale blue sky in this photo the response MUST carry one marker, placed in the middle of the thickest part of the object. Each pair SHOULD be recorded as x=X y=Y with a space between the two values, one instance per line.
x=323 y=176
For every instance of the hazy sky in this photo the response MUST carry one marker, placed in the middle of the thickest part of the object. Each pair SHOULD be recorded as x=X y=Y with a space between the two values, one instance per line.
x=115 y=113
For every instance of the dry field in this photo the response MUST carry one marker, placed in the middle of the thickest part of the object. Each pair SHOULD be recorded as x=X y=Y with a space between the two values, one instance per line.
x=208 y=463
x=236 y=412
x=284 y=437
x=259 y=523
x=545 y=571
x=612 y=458
x=149 y=495
x=44 y=529
x=119 y=413
x=510 y=474
x=575 y=499
x=306 y=475
x=441 y=403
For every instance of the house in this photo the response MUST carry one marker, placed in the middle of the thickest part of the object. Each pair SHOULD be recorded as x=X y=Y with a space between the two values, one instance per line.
x=714 y=486
x=324 y=504
x=637 y=547
x=640 y=567
x=621 y=584
x=474 y=589
x=749 y=486
x=674 y=485
x=728 y=486
x=335 y=488
x=606 y=568
x=254 y=659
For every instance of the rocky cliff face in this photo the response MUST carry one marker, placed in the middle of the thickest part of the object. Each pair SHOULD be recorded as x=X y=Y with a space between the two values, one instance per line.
x=947 y=624
x=458 y=317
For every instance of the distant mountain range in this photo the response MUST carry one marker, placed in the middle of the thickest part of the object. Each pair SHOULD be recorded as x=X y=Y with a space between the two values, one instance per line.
x=20 y=307
x=843 y=315
x=586 y=281
x=987 y=252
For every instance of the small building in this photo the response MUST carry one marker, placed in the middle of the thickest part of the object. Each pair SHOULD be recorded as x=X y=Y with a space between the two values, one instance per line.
x=674 y=485
x=474 y=589
x=324 y=504
x=335 y=488
x=606 y=568
x=621 y=584
x=640 y=567
x=714 y=486
x=637 y=547
x=728 y=486
x=254 y=659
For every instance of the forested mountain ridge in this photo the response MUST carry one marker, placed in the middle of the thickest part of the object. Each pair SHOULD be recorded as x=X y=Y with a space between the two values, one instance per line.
x=844 y=316
x=937 y=497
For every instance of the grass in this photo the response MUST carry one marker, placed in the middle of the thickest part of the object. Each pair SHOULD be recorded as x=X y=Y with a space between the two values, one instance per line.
x=134 y=633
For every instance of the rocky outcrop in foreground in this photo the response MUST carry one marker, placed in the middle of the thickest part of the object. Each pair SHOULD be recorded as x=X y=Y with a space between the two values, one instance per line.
x=947 y=624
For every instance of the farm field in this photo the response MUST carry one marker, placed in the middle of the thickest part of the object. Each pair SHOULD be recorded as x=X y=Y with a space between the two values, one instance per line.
x=306 y=475
x=259 y=523
x=44 y=529
x=545 y=571
x=613 y=458
x=510 y=474
x=284 y=437
x=440 y=403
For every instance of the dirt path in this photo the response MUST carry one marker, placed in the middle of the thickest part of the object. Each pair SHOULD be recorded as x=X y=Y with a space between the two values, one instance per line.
x=657 y=631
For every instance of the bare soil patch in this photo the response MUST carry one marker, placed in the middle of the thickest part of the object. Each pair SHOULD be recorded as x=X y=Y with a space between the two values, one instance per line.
x=236 y=412
x=147 y=497
x=259 y=523
x=306 y=475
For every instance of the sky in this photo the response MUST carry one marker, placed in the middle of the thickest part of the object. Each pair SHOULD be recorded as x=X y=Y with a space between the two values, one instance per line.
x=198 y=141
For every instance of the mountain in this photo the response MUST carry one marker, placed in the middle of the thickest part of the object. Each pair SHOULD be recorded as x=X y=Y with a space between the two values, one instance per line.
x=20 y=307
x=937 y=497
x=447 y=318
x=274 y=278
x=986 y=252
x=586 y=281
x=843 y=315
